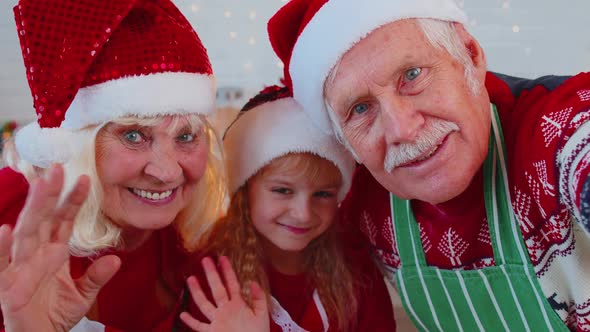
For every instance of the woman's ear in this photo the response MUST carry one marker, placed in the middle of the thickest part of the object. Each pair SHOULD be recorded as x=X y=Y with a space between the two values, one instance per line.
x=476 y=53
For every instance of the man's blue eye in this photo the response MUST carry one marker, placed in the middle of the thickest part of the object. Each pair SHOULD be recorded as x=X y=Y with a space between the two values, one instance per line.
x=133 y=136
x=186 y=137
x=360 y=108
x=412 y=73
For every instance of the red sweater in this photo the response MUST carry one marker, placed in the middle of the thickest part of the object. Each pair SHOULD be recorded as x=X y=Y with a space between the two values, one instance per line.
x=547 y=135
x=296 y=295
x=131 y=301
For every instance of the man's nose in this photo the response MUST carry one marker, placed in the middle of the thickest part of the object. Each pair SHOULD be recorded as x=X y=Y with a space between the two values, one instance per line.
x=400 y=120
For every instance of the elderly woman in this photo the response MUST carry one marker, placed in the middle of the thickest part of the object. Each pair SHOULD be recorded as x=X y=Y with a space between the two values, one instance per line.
x=109 y=191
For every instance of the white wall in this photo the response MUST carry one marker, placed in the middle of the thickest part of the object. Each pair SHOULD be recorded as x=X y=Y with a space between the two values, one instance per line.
x=552 y=37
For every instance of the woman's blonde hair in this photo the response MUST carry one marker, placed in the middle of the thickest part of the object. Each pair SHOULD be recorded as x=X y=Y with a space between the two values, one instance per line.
x=92 y=231
x=234 y=236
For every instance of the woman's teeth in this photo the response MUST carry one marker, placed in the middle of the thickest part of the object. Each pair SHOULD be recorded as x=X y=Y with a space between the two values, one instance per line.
x=155 y=196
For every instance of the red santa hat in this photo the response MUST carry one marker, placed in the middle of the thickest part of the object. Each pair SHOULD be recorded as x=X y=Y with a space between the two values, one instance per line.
x=310 y=36
x=272 y=125
x=92 y=61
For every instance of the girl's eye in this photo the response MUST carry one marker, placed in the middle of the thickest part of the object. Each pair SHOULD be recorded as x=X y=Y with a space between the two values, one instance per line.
x=282 y=191
x=412 y=73
x=324 y=194
x=360 y=108
x=186 y=138
x=133 y=136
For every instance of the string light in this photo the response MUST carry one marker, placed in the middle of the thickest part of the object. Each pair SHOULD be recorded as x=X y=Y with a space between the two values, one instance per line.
x=252 y=15
x=250 y=43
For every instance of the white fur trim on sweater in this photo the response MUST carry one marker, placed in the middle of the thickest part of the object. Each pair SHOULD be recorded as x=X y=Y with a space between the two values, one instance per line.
x=281 y=317
x=142 y=96
x=321 y=310
x=275 y=129
x=336 y=28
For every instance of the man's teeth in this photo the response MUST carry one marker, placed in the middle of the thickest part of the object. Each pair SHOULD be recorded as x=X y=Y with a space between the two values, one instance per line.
x=430 y=154
x=152 y=195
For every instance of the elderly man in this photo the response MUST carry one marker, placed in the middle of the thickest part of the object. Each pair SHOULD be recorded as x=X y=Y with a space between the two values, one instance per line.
x=474 y=189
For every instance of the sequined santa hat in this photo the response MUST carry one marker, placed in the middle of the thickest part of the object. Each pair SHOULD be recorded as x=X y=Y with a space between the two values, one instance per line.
x=92 y=61
x=271 y=125
x=310 y=36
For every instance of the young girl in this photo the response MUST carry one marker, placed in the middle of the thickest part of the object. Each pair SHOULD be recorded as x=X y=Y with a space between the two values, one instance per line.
x=286 y=178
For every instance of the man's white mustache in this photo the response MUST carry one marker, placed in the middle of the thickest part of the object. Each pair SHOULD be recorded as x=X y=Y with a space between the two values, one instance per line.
x=403 y=153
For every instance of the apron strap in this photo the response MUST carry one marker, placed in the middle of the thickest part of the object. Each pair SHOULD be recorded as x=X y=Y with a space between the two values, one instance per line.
x=505 y=231
x=407 y=233
x=505 y=235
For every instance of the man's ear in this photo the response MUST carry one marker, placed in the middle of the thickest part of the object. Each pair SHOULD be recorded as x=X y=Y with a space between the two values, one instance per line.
x=476 y=53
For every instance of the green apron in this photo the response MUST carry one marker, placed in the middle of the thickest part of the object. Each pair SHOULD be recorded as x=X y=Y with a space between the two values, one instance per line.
x=504 y=297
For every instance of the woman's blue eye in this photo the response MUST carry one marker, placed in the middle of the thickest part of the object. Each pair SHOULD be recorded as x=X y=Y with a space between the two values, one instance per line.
x=186 y=137
x=412 y=73
x=133 y=136
x=360 y=108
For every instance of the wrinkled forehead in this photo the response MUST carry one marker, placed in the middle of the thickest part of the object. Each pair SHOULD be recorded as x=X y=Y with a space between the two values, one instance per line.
x=397 y=41
x=169 y=124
